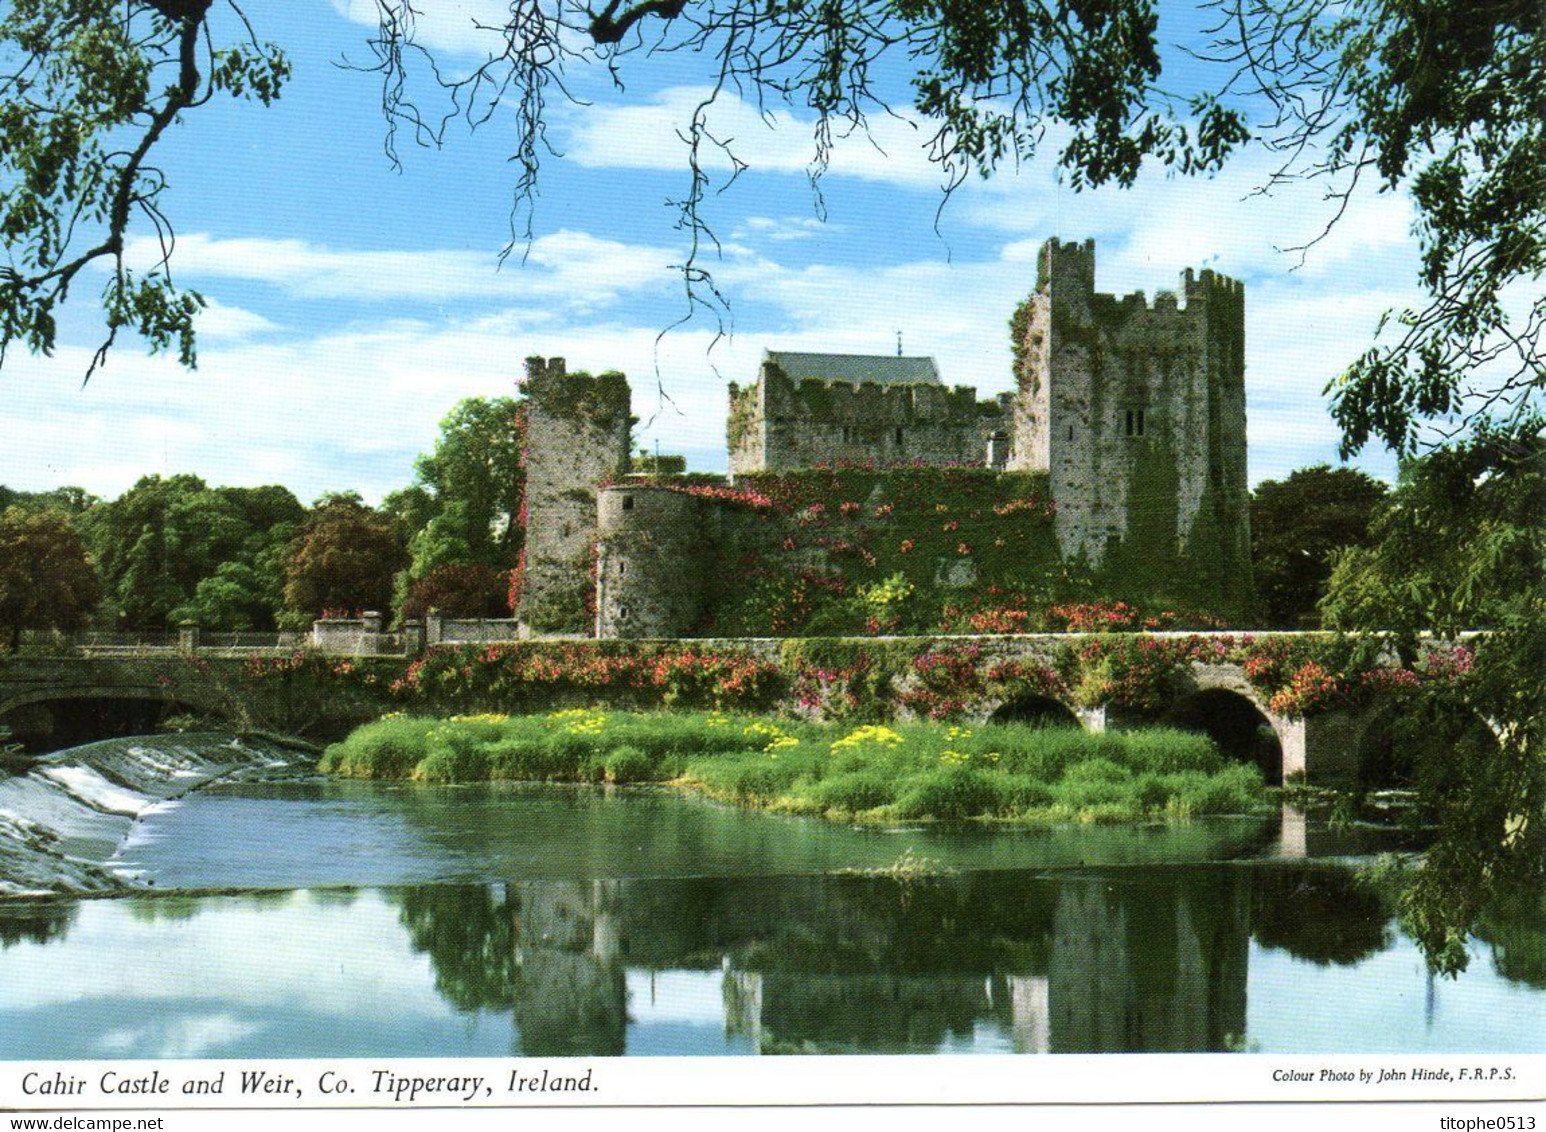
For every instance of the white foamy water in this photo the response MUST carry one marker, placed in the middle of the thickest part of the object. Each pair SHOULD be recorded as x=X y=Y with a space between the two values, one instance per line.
x=90 y=787
x=176 y=763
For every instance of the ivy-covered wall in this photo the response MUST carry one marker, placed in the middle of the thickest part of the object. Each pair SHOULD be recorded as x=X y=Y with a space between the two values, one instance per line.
x=862 y=550
x=577 y=437
x=1137 y=410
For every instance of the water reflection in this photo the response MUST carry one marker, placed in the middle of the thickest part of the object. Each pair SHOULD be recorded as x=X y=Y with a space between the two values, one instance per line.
x=1195 y=958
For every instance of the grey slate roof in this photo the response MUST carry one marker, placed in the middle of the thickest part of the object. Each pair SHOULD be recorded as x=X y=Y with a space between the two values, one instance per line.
x=855 y=369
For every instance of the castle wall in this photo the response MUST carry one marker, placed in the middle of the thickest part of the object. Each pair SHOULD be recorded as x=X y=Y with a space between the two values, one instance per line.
x=577 y=437
x=779 y=425
x=651 y=576
x=677 y=558
x=1136 y=410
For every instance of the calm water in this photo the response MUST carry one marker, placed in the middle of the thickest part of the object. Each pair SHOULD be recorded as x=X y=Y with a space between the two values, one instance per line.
x=410 y=921
x=322 y=832
x=1265 y=957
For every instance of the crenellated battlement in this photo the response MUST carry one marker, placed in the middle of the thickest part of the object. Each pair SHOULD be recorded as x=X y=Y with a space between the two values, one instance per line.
x=1136 y=408
x=781 y=423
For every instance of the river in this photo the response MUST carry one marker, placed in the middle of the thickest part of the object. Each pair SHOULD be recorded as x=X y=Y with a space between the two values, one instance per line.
x=377 y=920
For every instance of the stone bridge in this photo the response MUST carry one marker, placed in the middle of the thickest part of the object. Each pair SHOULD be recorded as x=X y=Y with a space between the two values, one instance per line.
x=119 y=694
x=125 y=694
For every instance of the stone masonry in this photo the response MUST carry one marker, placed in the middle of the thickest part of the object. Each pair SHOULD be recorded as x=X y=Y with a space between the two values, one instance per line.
x=1136 y=410
x=880 y=409
x=578 y=431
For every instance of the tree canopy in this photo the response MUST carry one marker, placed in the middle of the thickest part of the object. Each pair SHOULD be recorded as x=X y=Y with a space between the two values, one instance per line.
x=343 y=560
x=162 y=543
x=474 y=478
x=1462 y=544
x=46 y=579
x=1296 y=525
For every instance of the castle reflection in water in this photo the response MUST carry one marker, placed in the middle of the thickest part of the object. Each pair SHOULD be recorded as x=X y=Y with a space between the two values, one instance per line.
x=1108 y=962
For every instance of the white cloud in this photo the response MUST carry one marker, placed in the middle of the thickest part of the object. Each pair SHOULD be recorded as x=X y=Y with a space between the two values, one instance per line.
x=215 y=956
x=649 y=135
x=1167 y=223
x=461 y=26
x=195 y=1036
x=566 y=265
x=221 y=323
x=780 y=229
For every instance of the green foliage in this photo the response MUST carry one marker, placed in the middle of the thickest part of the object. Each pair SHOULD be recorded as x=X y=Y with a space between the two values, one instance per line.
x=344 y=558
x=388 y=748
x=236 y=597
x=46 y=580
x=1462 y=544
x=541 y=673
x=175 y=548
x=66 y=500
x=459 y=590
x=911 y=772
x=89 y=89
x=629 y=764
x=1296 y=528
x=476 y=477
x=1428 y=95
x=906 y=549
x=955 y=550
x=299 y=694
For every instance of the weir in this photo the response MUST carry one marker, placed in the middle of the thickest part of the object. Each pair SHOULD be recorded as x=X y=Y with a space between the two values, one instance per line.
x=64 y=818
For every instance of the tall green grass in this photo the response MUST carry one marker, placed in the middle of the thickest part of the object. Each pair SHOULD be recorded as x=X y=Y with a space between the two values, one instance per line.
x=905 y=772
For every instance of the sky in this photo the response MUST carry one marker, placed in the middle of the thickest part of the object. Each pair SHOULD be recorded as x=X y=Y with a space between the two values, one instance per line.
x=352 y=304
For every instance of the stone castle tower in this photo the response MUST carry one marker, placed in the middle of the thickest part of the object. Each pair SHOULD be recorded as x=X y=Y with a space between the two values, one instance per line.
x=1136 y=411
x=578 y=430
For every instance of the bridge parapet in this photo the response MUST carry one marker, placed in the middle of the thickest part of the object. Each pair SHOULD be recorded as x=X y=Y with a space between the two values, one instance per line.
x=1201 y=685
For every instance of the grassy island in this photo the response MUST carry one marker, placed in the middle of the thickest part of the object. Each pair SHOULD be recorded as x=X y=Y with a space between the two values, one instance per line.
x=879 y=773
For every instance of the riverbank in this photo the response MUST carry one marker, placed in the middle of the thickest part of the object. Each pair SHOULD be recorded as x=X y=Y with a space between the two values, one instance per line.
x=900 y=772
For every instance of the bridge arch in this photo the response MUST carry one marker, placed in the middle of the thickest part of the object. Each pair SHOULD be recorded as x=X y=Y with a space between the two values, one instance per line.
x=1389 y=742
x=1039 y=711
x=1235 y=720
x=56 y=717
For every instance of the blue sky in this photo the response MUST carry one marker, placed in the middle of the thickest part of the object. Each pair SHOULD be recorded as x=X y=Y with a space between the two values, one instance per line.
x=353 y=306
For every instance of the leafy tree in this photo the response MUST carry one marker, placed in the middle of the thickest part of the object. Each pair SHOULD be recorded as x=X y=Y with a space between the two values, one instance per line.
x=84 y=102
x=459 y=590
x=162 y=538
x=1461 y=545
x=344 y=557
x=46 y=580
x=465 y=510
x=235 y=597
x=1296 y=525
x=68 y=500
x=411 y=509
x=476 y=476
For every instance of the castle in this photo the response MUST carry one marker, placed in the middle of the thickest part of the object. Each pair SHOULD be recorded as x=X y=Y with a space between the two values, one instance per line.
x=1127 y=416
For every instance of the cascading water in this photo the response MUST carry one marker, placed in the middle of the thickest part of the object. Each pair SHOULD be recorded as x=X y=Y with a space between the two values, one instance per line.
x=63 y=817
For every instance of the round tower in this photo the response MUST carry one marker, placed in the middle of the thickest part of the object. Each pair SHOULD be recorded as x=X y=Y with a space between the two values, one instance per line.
x=650 y=576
